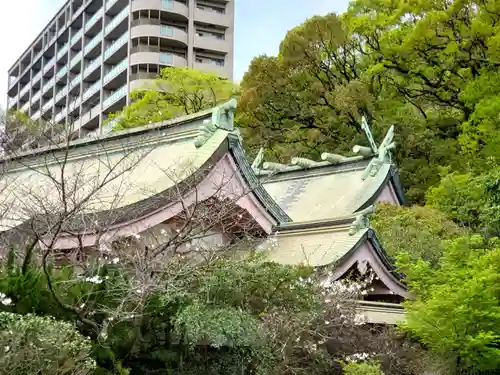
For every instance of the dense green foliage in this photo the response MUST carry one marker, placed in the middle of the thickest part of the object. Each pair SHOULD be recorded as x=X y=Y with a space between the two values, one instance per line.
x=32 y=345
x=175 y=92
x=457 y=310
x=223 y=317
x=416 y=231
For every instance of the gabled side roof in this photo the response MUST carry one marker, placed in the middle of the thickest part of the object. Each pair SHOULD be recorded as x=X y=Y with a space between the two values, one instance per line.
x=339 y=244
x=126 y=175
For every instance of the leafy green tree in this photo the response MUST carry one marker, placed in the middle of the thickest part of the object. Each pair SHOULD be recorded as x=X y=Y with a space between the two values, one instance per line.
x=310 y=99
x=442 y=57
x=176 y=92
x=416 y=231
x=456 y=312
x=470 y=200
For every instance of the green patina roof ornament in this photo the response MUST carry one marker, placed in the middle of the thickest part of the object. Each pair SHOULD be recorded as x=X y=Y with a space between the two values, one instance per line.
x=259 y=159
x=383 y=155
x=369 y=135
x=304 y=163
x=222 y=118
x=361 y=222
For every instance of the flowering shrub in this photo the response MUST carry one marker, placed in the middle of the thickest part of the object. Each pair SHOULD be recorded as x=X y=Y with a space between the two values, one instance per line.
x=31 y=345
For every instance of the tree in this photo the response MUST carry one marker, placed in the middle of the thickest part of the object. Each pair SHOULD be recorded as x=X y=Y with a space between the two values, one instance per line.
x=471 y=200
x=310 y=99
x=418 y=232
x=32 y=345
x=176 y=92
x=442 y=57
x=456 y=312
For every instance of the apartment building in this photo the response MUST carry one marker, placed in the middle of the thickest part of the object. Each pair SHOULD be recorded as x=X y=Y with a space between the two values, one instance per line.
x=93 y=53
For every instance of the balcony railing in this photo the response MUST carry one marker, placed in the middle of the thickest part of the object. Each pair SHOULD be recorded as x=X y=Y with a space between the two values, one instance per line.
x=115 y=71
x=74 y=103
x=118 y=94
x=25 y=89
x=62 y=51
x=37 y=76
x=25 y=107
x=62 y=72
x=75 y=81
x=48 y=84
x=110 y=3
x=94 y=41
x=166 y=58
x=47 y=105
x=36 y=96
x=95 y=17
x=115 y=21
x=90 y=68
x=60 y=115
x=77 y=36
x=166 y=31
x=167 y=4
x=76 y=59
x=49 y=64
x=116 y=45
x=91 y=90
x=62 y=93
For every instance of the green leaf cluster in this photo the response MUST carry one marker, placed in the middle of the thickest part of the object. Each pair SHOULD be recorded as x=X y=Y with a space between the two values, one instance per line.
x=175 y=92
x=457 y=309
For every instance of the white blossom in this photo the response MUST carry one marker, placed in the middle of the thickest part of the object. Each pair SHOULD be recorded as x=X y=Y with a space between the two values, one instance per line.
x=4 y=300
x=94 y=280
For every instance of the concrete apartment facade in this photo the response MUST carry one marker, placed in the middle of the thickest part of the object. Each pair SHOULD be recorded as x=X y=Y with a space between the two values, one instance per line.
x=93 y=53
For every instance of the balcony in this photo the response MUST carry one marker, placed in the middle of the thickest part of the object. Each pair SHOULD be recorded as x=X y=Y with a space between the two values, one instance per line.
x=76 y=37
x=115 y=46
x=25 y=107
x=49 y=64
x=25 y=90
x=116 y=21
x=62 y=51
x=61 y=94
x=61 y=115
x=74 y=104
x=93 y=42
x=210 y=16
x=117 y=95
x=110 y=3
x=211 y=43
x=37 y=76
x=212 y=67
x=144 y=54
x=75 y=81
x=12 y=101
x=171 y=6
x=36 y=96
x=75 y=59
x=115 y=71
x=95 y=17
x=48 y=85
x=94 y=64
x=151 y=27
x=47 y=105
x=91 y=90
x=61 y=73
x=36 y=115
